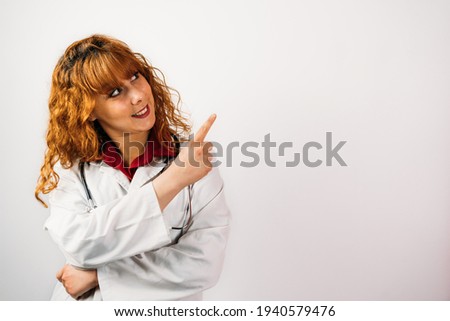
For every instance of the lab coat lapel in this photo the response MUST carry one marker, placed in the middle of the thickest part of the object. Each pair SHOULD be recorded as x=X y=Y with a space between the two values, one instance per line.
x=146 y=173
x=120 y=177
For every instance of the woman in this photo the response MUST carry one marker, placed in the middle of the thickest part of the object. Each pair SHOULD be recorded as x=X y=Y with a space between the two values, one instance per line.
x=136 y=216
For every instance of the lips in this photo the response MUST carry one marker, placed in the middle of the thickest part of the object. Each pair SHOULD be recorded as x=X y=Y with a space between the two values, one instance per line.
x=144 y=112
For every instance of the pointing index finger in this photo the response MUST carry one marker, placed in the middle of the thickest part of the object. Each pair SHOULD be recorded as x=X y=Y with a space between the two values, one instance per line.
x=204 y=129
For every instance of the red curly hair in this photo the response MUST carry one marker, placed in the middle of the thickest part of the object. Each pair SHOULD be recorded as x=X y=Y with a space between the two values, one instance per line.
x=88 y=68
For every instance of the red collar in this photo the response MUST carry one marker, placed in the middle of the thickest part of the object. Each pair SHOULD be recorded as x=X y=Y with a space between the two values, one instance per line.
x=113 y=157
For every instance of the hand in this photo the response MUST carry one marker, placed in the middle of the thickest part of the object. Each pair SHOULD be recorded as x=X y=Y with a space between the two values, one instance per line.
x=77 y=282
x=194 y=160
x=192 y=163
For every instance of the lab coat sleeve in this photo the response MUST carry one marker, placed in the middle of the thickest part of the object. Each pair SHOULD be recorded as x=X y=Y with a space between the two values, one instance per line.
x=121 y=228
x=180 y=270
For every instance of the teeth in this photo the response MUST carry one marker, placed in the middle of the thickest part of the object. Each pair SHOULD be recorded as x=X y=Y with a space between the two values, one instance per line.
x=142 y=112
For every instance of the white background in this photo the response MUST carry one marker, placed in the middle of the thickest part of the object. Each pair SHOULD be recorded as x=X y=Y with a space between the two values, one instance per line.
x=374 y=73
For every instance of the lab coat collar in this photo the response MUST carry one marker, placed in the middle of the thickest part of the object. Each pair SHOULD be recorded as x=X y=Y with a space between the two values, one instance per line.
x=143 y=174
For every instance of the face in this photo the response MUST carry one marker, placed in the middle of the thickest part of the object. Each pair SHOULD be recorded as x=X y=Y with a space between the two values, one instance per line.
x=126 y=109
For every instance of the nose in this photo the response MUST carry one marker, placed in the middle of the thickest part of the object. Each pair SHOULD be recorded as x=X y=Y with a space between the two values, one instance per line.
x=136 y=96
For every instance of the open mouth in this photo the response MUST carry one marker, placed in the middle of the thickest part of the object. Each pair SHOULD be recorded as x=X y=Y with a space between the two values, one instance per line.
x=142 y=113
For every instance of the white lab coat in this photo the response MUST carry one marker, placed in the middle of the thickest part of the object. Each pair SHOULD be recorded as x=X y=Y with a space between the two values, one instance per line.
x=130 y=241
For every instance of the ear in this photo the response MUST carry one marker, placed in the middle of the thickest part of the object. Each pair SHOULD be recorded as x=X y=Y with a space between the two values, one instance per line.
x=92 y=117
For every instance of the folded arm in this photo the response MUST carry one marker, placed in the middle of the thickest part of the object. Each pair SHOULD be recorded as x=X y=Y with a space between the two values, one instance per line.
x=121 y=228
x=178 y=271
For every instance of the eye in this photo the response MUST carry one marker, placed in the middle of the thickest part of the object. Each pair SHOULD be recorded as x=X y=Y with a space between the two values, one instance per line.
x=115 y=92
x=135 y=76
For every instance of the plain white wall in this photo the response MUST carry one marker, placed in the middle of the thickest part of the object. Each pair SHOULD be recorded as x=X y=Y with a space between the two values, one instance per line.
x=374 y=73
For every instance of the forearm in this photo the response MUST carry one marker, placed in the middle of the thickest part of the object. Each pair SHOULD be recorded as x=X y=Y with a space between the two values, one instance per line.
x=170 y=273
x=166 y=188
x=134 y=223
x=178 y=271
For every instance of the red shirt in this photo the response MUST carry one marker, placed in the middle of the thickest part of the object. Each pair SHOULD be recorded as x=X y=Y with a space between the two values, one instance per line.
x=113 y=157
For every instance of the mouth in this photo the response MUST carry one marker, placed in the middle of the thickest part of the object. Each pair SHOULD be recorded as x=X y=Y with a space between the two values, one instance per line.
x=144 y=112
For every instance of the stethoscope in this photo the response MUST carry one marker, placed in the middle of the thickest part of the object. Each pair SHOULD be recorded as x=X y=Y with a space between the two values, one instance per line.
x=187 y=221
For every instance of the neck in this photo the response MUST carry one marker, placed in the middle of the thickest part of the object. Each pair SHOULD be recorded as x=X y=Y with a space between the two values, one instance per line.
x=131 y=145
